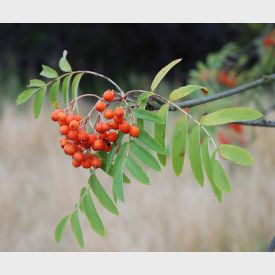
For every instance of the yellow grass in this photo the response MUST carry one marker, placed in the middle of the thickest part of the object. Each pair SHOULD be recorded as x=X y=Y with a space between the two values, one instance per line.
x=38 y=186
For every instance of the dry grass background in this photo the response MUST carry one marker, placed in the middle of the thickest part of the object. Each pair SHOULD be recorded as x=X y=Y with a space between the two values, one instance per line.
x=38 y=186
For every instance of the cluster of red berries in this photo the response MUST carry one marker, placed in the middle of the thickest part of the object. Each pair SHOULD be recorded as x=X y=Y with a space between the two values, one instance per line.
x=226 y=79
x=82 y=145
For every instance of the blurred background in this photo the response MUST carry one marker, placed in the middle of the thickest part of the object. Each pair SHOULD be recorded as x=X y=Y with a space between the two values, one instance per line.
x=38 y=186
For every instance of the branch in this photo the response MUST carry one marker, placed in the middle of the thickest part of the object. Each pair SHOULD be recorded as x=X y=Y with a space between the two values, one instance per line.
x=154 y=103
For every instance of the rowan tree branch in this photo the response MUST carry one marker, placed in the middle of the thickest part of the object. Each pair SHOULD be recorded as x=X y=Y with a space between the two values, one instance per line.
x=154 y=103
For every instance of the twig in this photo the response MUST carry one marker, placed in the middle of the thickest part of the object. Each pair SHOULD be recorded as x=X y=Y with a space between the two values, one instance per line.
x=259 y=123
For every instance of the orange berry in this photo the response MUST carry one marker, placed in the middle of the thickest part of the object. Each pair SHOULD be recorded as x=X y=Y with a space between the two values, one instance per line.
x=62 y=116
x=115 y=125
x=119 y=112
x=125 y=127
x=109 y=95
x=83 y=136
x=118 y=119
x=92 y=139
x=78 y=156
x=112 y=136
x=98 y=145
x=70 y=149
x=77 y=117
x=102 y=135
x=76 y=163
x=64 y=141
x=86 y=163
x=134 y=131
x=89 y=156
x=96 y=163
x=74 y=125
x=69 y=118
x=100 y=106
x=64 y=130
x=54 y=115
x=72 y=135
x=99 y=127
x=106 y=126
x=109 y=114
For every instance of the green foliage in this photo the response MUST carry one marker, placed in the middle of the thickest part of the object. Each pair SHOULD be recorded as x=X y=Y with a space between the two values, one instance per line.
x=54 y=89
x=77 y=228
x=48 y=72
x=146 y=115
x=229 y=115
x=60 y=228
x=64 y=65
x=185 y=91
x=38 y=101
x=136 y=171
x=65 y=87
x=25 y=96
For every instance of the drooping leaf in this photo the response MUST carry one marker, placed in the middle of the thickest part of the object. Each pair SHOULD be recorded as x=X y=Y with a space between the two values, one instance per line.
x=185 y=91
x=144 y=96
x=38 y=101
x=102 y=195
x=65 y=88
x=144 y=155
x=113 y=151
x=154 y=145
x=179 y=144
x=64 y=65
x=236 y=154
x=195 y=154
x=136 y=171
x=161 y=74
x=160 y=130
x=25 y=96
x=149 y=116
x=36 y=83
x=54 y=93
x=48 y=72
x=92 y=215
x=118 y=185
x=75 y=85
x=60 y=228
x=77 y=228
x=229 y=115
x=208 y=168
x=219 y=176
x=83 y=192
x=120 y=158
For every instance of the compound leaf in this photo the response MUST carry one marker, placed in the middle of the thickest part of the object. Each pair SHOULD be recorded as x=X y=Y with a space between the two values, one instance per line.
x=38 y=101
x=136 y=171
x=65 y=88
x=75 y=85
x=25 y=96
x=60 y=228
x=185 y=91
x=77 y=228
x=54 y=89
x=147 y=115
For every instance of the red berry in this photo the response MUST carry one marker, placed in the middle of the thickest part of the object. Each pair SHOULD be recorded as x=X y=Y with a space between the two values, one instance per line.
x=72 y=135
x=64 y=130
x=119 y=112
x=62 y=116
x=109 y=95
x=78 y=156
x=100 y=106
x=77 y=117
x=98 y=145
x=63 y=142
x=106 y=126
x=83 y=136
x=54 y=115
x=99 y=127
x=134 y=131
x=112 y=136
x=92 y=139
x=89 y=156
x=109 y=114
x=69 y=118
x=70 y=149
x=115 y=125
x=125 y=127
x=76 y=163
x=74 y=125
x=102 y=135
x=118 y=119
x=87 y=163
x=96 y=162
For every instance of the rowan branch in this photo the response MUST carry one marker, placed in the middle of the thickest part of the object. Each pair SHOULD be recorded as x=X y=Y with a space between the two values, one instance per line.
x=154 y=103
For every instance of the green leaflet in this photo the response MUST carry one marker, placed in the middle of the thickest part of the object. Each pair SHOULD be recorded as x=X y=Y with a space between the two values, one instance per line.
x=185 y=91
x=36 y=83
x=236 y=154
x=195 y=154
x=118 y=171
x=38 y=101
x=102 y=195
x=144 y=155
x=92 y=215
x=65 y=88
x=136 y=171
x=147 y=115
x=208 y=168
x=48 y=72
x=60 y=228
x=111 y=154
x=154 y=145
x=229 y=115
x=25 y=96
x=219 y=177
x=54 y=93
x=161 y=74
x=144 y=96
x=75 y=85
x=160 y=129
x=142 y=99
x=179 y=144
x=77 y=228
x=64 y=65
